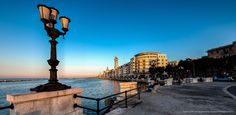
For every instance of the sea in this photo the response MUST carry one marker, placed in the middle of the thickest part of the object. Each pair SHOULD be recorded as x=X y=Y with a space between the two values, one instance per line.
x=92 y=87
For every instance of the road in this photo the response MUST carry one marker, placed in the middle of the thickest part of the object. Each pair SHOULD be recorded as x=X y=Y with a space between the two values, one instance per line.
x=188 y=99
x=232 y=90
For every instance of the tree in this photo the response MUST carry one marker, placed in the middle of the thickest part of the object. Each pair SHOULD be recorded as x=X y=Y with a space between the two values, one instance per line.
x=160 y=71
x=152 y=71
x=169 y=70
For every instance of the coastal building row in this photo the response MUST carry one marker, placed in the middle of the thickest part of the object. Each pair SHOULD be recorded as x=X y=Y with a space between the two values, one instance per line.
x=223 y=51
x=137 y=66
x=216 y=53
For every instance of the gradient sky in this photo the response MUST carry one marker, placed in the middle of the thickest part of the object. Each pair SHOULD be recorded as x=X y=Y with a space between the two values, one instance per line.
x=102 y=29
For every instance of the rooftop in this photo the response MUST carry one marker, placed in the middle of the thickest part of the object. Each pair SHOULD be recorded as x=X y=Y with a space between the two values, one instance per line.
x=147 y=53
x=222 y=47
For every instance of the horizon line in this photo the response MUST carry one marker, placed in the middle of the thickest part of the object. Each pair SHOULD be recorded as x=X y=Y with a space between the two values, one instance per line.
x=46 y=77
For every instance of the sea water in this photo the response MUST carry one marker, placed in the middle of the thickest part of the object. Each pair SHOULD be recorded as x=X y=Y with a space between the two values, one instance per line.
x=92 y=87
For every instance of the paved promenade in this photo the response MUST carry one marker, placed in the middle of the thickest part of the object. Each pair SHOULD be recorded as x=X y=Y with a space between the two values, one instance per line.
x=232 y=90
x=188 y=99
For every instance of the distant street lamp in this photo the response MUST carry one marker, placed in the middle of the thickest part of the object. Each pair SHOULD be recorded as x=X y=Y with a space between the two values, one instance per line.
x=49 y=18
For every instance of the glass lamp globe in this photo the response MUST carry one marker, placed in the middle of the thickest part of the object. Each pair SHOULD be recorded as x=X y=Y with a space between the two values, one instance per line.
x=53 y=15
x=44 y=13
x=65 y=23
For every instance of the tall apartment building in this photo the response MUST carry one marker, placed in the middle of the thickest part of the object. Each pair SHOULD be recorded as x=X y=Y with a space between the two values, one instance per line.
x=223 y=51
x=138 y=65
x=143 y=61
x=116 y=62
x=116 y=69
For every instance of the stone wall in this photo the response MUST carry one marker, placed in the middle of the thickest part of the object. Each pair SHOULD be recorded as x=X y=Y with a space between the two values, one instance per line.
x=46 y=103
x=190 y=80
x=169 y=81
x=208 y=79
x=124 y=86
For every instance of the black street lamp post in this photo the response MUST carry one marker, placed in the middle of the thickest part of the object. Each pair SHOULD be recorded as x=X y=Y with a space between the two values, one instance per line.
x=49 y=17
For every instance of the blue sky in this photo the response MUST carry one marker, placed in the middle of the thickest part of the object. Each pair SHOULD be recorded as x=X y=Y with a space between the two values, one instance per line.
x=102 y=29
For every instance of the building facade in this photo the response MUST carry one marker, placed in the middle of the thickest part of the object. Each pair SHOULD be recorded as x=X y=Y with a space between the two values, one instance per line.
x=223 y=51
x=173 y=63
x=144 y=60
x=138 y=66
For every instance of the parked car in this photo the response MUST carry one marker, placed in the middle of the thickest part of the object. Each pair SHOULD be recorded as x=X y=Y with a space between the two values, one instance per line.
x=222 y=78
x=163 y=77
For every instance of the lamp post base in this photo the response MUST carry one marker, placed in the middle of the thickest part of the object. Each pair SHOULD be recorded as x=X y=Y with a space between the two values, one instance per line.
x=50 y=87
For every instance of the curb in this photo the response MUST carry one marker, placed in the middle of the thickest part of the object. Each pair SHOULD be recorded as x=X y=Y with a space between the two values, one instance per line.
x=227 y=92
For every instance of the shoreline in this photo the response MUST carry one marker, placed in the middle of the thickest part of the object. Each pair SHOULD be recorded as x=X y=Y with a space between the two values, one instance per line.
x=14 y=80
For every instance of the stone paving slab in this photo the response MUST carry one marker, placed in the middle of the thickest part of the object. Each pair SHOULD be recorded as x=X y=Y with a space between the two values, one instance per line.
x=187 y=99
